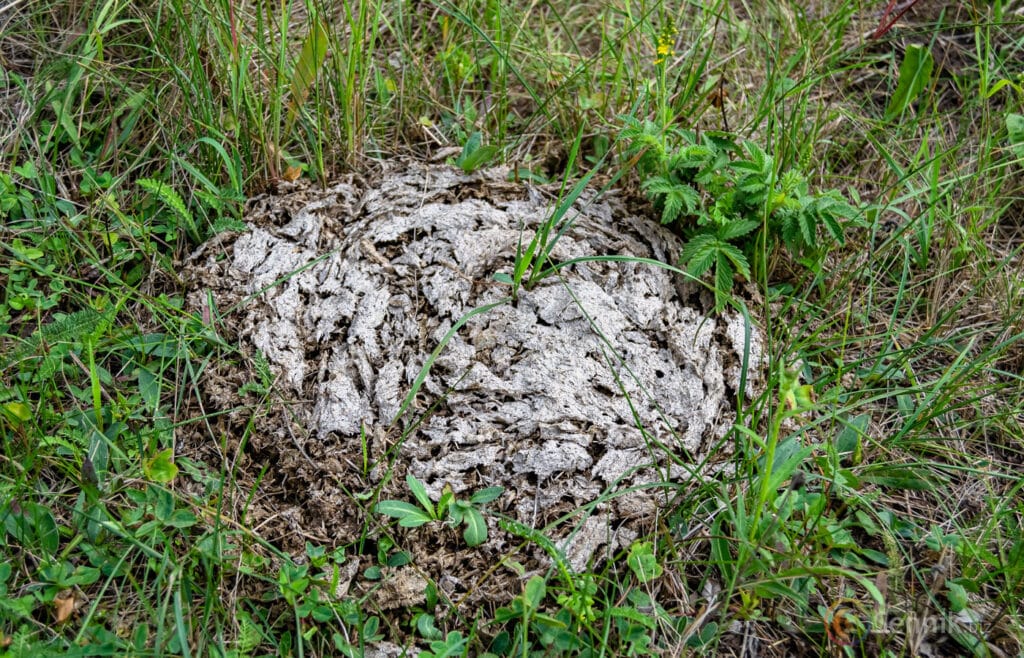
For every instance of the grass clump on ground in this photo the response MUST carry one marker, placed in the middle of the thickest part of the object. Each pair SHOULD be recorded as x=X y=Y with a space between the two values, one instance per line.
x=874 y=500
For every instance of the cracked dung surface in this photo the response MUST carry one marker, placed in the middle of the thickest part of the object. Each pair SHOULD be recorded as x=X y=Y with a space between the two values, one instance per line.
x=346 y=291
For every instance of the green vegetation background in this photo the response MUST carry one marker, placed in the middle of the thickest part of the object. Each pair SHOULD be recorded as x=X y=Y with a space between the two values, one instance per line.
x=861 y=165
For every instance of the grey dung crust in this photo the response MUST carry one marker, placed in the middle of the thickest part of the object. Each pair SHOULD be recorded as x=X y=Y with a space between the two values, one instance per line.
x=351 y=289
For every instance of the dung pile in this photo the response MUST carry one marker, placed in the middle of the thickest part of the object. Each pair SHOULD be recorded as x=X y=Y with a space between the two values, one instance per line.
x=595 y=381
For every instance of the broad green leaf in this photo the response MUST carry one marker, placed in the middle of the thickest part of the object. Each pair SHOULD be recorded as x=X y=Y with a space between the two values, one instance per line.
x=408 y=515
x=475 y=153
x=642 y=562
x=487 y=495
x=456 y=513
x=771 y=589
x=473 y=142
x=789 y=455
x=45 y=529
x=632 y=614
x=534 y=592
x=182 y=518
x=898 y=477
x=915 y=75
x=447 y=498
x=851 y=436
x=149 y=387
x=1015 y=132
x=399 y=559
x=311 y=58
x=721 y=555
x=161 y=468
x=18 y=411
x=426 y=627
x=476 y=527
x=479 y=157
x=878 y=557
x=34 y=527
x=957 y=596
x=419 y=491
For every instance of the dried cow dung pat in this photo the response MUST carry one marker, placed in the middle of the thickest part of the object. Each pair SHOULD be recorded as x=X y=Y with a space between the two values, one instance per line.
x=349 y=290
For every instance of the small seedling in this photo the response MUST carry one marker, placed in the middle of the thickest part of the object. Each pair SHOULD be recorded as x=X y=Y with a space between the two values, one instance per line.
x=449 y=509
x=642 y=562
x=475 y=153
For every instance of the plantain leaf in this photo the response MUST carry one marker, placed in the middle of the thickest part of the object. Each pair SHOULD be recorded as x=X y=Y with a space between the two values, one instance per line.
x=915 y=75
x=311 y=58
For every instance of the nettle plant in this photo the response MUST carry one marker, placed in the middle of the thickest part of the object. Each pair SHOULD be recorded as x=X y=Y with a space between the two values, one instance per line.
x=724 y=192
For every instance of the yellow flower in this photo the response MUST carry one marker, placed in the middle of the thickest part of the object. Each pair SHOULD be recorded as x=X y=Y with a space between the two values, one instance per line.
x=666 y=40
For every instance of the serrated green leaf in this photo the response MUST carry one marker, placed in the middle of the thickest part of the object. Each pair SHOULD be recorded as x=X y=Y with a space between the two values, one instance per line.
x=752 y=186
x=808 y=228
x=833 y=227
x=723 y=280
x=737 y=229
x=673 y=206
x=698 y=254
x=172 y=200
x=736 y=258
x=657 y=185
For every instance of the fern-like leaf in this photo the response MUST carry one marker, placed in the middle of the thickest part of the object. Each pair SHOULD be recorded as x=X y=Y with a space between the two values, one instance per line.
x=70 y=328
x=675 y=197
x=699 y=254
x=789 y=230
x=172 y=200
x=737 y=229
x=733 y=254
x=723 y=281
x=808 y=224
